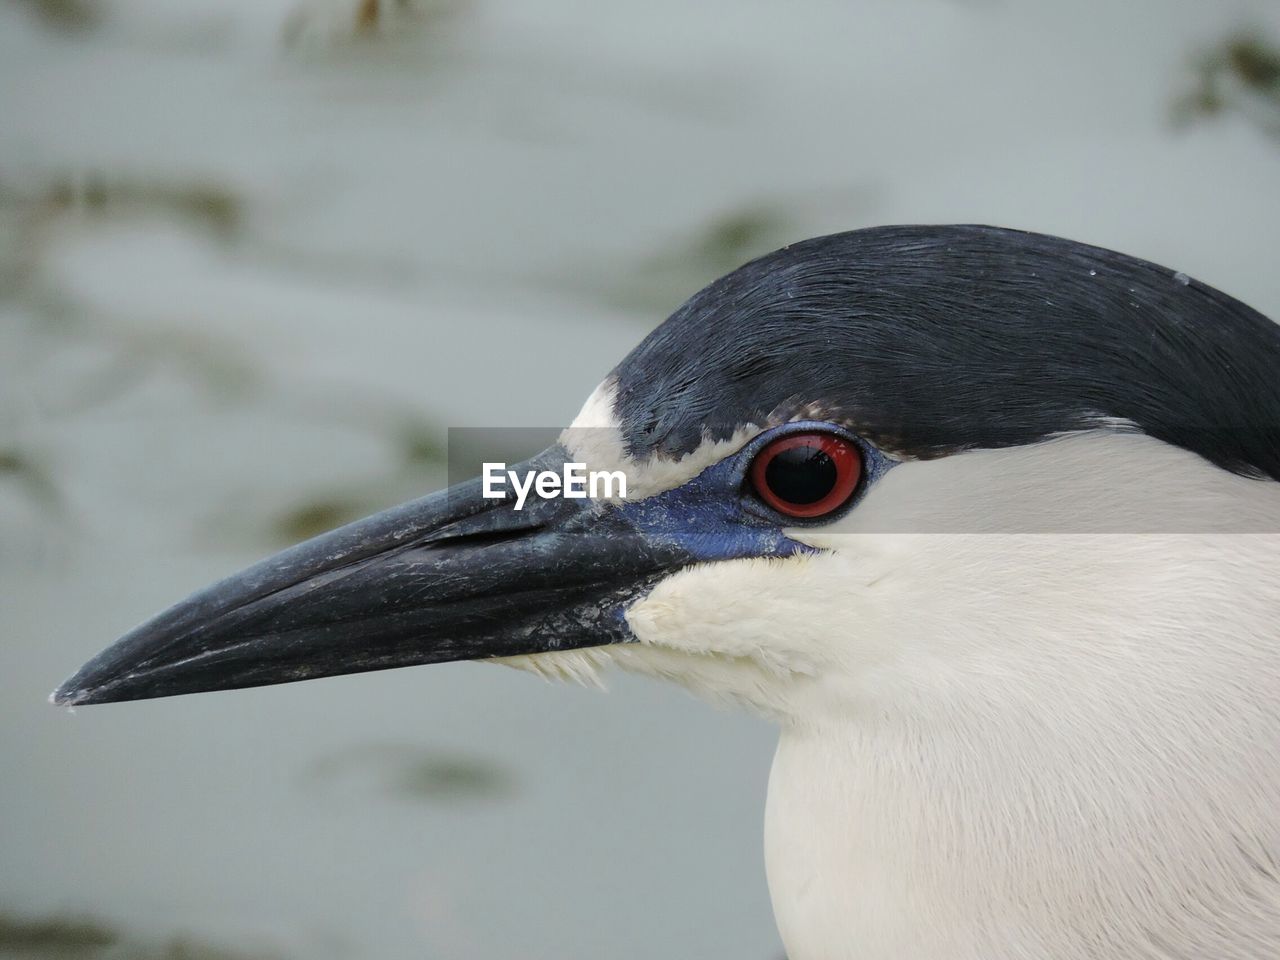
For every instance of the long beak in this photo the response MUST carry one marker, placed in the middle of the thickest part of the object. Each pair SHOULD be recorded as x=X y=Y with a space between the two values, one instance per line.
x=452 y=576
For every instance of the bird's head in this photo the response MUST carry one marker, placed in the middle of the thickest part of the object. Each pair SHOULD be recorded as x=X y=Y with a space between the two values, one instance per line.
x=867 y=465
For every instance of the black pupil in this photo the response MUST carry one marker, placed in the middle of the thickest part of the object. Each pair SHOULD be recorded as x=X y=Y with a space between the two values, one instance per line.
x=801 y=475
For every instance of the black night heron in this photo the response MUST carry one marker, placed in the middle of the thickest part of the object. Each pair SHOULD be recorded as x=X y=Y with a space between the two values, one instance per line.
x=987 y=521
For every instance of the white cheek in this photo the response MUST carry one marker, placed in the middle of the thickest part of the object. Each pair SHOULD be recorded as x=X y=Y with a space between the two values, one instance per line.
x=770 y=634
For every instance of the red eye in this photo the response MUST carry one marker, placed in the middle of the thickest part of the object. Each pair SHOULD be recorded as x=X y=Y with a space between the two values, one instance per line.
x=806 y=475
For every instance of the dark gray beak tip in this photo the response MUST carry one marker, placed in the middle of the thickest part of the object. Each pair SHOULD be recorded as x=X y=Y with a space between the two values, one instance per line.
x=70 y=695
x=91 y=684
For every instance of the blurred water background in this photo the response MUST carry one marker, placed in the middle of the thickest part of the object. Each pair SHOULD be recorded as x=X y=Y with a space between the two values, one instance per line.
x=256 y=256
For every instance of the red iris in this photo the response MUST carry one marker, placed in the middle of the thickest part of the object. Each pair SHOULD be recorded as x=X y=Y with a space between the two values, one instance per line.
x=806 y=475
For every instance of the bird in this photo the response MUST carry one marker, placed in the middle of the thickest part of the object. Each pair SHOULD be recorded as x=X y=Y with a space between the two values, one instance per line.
x=986 y=521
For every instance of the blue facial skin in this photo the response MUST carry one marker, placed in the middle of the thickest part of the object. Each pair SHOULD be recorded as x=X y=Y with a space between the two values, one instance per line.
x=716 y=515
